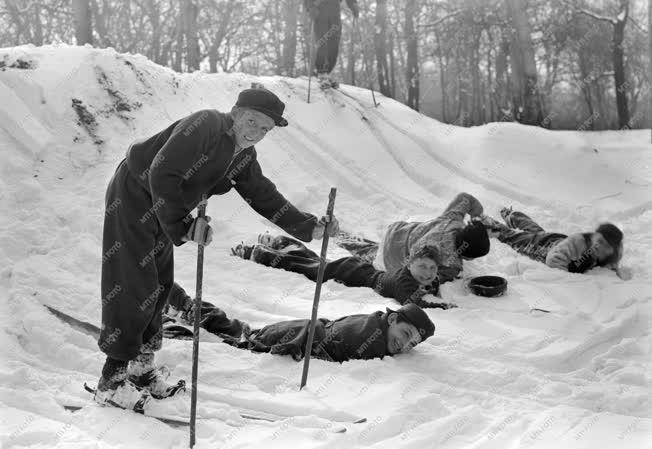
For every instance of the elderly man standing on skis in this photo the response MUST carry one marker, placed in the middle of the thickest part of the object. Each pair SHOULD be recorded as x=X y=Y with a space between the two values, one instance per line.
x=148 y=204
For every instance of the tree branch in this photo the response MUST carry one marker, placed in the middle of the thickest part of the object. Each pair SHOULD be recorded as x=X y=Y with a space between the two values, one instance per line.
x=635 y=23
x=441 y=19
x=589 y=13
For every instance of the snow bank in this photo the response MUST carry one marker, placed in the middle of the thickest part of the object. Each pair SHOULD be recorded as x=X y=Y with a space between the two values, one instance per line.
x=494 y=375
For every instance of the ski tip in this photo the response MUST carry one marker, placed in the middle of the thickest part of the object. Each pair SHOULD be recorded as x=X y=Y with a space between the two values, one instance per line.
x=360 y=421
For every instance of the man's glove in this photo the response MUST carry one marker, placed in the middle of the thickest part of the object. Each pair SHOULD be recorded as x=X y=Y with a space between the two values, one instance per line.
x=200 y=232
x=332 y=227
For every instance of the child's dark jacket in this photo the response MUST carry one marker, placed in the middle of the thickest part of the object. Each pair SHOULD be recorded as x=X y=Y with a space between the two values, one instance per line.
x=347 y=338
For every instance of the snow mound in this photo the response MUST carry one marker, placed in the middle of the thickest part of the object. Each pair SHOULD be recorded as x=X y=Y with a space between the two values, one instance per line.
x=494 y=375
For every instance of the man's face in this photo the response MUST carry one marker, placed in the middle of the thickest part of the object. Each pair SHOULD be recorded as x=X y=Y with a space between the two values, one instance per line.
x=600 y=247
x=250 y=126
x=423 y=270
x=401 y=337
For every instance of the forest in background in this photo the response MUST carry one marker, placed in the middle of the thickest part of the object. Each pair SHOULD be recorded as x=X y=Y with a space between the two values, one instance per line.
x=559 y=64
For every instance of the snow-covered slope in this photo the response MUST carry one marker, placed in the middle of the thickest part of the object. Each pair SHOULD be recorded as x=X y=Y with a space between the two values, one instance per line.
x=494 y=375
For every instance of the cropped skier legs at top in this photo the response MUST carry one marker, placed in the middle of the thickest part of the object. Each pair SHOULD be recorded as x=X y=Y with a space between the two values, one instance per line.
x=327 y=31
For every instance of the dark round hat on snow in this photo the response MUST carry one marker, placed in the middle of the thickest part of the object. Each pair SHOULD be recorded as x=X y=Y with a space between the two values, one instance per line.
x=489 y=286
x=265 y=101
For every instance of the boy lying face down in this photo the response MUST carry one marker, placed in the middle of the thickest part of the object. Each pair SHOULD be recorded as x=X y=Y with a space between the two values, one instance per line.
x=363 y=336
x=575 y=253
x=415 y=282
x=454 y=239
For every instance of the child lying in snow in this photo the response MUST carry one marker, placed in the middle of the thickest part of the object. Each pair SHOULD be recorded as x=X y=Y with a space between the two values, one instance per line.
x=576 y=253
x=455 y=239
x=412 y=283
x=351 y=337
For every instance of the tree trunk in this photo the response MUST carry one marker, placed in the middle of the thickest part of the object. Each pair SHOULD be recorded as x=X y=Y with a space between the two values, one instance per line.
x=586 y=82
x=476 y=96
x=487 y=97
x=82 y=21
x=190 y=11
x=38 y=26
x=649 y=33
x=392 y=64
x=619 y=66
x=99 y=18
x=442 y=78
x=350 y=60
x=291 y=15
x=380 y=43
x=412 y=65
x=212 y=57
x=528 y=101
x=501 y=89
x=154 y=15
x=179 y=32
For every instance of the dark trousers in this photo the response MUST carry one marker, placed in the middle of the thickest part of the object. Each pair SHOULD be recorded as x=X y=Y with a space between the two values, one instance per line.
x=527 y=237
x=137 y=270
x=327 y=29
x=292 y=255
x=362 y=248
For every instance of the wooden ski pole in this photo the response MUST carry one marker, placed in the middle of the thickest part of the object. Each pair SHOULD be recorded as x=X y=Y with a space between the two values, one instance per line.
x=195 y=338
x=315 y=301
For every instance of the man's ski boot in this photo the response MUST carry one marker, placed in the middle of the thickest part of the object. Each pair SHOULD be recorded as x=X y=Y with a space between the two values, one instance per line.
x=327 y=82
x=115 y=390
x=122 y=395
x=146 y=376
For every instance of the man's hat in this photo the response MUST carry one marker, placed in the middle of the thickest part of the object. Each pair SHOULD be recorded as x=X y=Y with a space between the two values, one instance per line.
x=265 y=101
x=419 y=319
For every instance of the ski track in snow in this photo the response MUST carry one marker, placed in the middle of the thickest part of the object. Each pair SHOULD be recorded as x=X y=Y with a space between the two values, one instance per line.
x=494 y=375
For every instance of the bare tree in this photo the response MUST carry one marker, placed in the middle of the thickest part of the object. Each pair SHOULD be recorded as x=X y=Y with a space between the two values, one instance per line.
x=291 y=15
x=618 y=55
x=380 y=43
x=649 y=33
x=524 y=71
x=412 y=66
x=189 y=11
x=82 y=20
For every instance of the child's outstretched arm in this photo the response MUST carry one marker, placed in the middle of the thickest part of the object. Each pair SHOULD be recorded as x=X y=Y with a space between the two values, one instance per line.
x=465 y=203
